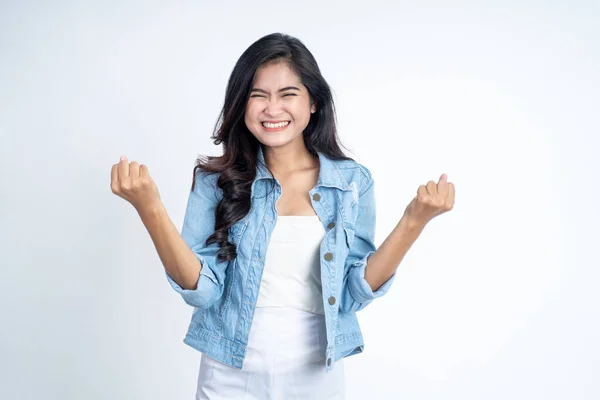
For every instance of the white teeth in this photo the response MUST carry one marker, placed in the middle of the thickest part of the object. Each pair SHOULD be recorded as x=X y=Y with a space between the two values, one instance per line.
x=278 y=125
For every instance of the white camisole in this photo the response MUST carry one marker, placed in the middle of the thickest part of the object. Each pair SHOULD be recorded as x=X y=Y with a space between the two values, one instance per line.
x=292 y=273
x=285 y=355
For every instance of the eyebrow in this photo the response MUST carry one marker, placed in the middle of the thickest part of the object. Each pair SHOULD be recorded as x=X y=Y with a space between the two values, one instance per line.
x=280 y=90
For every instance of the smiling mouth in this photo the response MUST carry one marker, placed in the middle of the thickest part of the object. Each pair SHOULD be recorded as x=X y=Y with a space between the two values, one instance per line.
x=277 y=125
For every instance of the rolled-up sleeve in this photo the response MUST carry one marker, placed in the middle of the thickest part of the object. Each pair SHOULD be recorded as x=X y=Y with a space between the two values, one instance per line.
x=356 y=292
x=198 y=225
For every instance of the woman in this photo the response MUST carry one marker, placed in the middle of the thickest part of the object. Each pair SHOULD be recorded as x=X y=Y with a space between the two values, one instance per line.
x=277 y=234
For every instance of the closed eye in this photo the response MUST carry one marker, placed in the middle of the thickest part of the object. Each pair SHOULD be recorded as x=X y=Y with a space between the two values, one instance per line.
x=287 y=94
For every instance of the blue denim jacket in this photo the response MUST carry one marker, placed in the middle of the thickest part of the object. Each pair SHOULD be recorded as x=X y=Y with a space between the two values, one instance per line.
x=225 y=298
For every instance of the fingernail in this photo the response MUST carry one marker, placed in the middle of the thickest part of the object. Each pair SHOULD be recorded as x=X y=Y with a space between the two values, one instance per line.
x=123 y=158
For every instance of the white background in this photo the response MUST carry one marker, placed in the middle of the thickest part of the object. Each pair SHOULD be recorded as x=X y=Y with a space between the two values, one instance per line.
x=496 y=300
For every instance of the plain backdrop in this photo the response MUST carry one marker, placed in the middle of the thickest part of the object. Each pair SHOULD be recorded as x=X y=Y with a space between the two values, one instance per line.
x=497 y=299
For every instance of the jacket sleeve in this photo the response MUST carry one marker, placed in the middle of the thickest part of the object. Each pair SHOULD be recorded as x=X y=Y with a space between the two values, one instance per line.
x=356 y=292
x=198 y=224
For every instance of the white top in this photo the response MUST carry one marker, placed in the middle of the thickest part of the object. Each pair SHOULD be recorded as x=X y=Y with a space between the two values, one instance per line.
x=292 y=272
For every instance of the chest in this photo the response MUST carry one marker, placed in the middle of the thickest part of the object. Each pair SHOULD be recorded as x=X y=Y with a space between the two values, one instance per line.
x=295 y=197
x=336 y=207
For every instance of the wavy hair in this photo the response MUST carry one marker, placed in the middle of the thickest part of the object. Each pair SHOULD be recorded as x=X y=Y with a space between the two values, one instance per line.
x=237 y=165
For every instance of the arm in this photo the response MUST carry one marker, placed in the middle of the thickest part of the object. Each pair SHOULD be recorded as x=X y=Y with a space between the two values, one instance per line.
x=371 y=270
x=362 y=282
x=177 y=258
x=384 y=262
x=357 y=292
x=191 y=267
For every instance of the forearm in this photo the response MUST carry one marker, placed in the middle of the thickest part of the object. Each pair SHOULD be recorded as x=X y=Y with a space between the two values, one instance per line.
x=174 y=253
x=382 y=264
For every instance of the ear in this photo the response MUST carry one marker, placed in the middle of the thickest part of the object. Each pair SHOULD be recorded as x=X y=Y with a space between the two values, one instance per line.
x=313 y=107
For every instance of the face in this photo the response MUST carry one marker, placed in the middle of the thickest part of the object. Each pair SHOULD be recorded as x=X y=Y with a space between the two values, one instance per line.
x=279 y=106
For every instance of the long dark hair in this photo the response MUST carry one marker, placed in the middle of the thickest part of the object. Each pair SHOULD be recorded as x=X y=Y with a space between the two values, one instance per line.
x=237 y=165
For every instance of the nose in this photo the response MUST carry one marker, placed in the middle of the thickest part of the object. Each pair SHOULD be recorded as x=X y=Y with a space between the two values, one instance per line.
x=272 y=108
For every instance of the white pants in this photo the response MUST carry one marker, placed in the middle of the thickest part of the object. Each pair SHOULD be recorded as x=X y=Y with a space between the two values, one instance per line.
x=285 y=360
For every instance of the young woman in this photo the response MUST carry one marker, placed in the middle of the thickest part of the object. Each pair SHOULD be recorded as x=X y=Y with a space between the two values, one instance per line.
x=276 y=253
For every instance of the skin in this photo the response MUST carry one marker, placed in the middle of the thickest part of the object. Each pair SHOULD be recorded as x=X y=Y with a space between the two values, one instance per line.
x=431 y=201
x=278 y=95
x=296 y=170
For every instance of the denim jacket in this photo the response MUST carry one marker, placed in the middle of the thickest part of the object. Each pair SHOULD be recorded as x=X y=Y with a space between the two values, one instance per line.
x=225 y=298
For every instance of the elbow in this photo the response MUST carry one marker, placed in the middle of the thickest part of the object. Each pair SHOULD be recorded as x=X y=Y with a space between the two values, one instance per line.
x=356 y=292
x=354 y=295
x=349 y=305
x=204 y=299
x=206 y=293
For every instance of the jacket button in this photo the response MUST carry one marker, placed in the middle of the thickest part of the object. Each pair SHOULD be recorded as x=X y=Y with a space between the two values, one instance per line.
x=329 y=361
x=328 y=256
x=331 y=225
x=316 y=197
x=332 y=300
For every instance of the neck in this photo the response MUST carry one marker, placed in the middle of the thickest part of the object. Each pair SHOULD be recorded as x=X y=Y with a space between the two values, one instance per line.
x=284 y=160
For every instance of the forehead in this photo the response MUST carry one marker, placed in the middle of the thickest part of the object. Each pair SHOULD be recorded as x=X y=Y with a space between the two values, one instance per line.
x=277 y=75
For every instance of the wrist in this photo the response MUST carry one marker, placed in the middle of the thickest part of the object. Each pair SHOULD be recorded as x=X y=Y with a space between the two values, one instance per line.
x=150 y=210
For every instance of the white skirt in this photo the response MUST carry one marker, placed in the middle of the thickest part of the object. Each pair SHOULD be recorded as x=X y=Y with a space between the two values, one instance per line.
x=285 y=359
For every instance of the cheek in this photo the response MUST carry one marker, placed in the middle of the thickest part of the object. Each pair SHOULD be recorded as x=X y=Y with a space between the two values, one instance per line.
x=250 y=114
x=302 y=107
x=302 y=112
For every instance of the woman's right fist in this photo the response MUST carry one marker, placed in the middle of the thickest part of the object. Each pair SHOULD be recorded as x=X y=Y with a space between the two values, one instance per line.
x=132 y=182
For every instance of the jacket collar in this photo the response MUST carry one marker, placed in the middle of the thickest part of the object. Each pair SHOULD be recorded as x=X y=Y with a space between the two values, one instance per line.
x=329 y=174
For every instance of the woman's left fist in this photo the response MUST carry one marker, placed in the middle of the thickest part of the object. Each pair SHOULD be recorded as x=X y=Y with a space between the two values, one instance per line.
x=431 y=200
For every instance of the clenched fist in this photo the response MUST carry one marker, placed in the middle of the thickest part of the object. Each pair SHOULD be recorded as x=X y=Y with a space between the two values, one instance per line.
x=431 y=200
x=132 y=182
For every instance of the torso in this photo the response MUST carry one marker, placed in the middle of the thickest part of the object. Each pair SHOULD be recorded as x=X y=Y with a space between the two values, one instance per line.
x=295 y=199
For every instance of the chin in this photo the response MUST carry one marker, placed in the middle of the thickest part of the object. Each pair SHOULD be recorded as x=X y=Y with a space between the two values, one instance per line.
x=273 y=137
x=274 y=142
